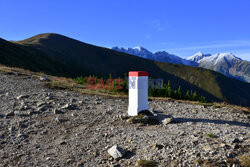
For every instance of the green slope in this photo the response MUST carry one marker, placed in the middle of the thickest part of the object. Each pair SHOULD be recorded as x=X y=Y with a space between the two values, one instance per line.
x=16 y=55
x=60 y=55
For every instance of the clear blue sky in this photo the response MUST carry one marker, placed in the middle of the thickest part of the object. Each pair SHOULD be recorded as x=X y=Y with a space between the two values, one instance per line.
x=182 y=27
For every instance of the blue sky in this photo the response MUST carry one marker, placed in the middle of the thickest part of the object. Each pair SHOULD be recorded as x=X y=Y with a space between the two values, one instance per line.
x=182 y=27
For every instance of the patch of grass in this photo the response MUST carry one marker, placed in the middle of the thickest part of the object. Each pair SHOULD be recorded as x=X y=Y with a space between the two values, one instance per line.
x=211 y=135
x=165 y=90
x=147 y=163
x=232 y=161
x=211 y=163
x=62 y=83
x=245 y=160
x=199 y=161
x=4 y=69
x=219 y=105
x=206 y=104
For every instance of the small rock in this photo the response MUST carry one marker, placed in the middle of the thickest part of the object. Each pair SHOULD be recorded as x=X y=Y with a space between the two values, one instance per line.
x=235 y=146
x=66 y=106
x=22 y=97
x=44 y=132
x=40 y=104
x=207 y=148
x=230 y=155
x=97 y=99
x=72 y=100
x=79 y=164
x=31 y=112
x=10 y=114
x=222 y=144
x=43 y=108
x=138 y=119
x=236 y=140
x=49 y=98
x=63 y=143
x=43 y=78
x=60 y=120
x=56 y=111
x=12 y=128
x=74 y=115
x=151 y=110
x=116 y=152
x=167 y=121
x=157 y=146
x=69 y=161
x=17 y=113
x=98 y=102
x=21 y=135
x=15 y=73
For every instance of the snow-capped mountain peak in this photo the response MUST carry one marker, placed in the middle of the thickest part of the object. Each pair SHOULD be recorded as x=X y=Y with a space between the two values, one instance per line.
x=218 y=58
x=139 y=48
x=229 y=56
x=227 y=64
x=137 y=51
x=198 y=56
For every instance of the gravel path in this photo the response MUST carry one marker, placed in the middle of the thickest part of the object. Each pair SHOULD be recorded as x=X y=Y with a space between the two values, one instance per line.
x=46 y=127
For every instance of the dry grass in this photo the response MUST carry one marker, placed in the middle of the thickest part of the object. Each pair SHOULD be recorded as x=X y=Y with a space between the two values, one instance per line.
x=245 y=160
x=146 y=163
x=199 y=161
x=211 y=135
x=19 y=71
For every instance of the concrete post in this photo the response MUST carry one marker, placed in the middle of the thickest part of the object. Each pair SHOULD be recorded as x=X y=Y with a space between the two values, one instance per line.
x=138 y=92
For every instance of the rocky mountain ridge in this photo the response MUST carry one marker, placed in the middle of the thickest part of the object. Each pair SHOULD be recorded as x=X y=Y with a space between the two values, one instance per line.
x=161 y=56
x=225 y=63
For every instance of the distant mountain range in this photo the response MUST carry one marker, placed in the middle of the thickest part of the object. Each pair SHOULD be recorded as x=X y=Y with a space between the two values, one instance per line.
x=63 y=56
x=225 y=63
x=161 y=56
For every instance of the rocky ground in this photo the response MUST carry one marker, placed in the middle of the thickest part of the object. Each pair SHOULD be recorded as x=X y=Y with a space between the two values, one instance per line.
x=40 y=126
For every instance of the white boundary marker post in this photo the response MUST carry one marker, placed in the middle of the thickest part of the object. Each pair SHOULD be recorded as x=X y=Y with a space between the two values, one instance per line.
x=138 y=92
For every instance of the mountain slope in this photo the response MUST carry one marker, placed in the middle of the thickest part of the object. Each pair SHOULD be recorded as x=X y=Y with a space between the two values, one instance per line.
x=225 y=63
x=161 y=56
x=65 y=56
x=16 y=55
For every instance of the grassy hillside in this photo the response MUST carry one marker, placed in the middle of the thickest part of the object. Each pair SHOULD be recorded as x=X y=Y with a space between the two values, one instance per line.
x=16 y=55
x=222 y=87
x=60 y=55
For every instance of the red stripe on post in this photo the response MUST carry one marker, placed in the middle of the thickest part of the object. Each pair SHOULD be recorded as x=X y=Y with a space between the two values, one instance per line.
x=138 y=73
